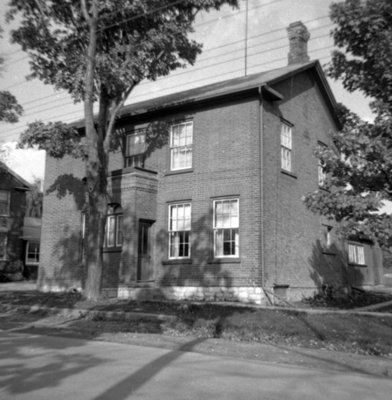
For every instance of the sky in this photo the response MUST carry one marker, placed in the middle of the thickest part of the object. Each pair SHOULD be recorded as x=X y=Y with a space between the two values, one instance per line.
x=226 y=35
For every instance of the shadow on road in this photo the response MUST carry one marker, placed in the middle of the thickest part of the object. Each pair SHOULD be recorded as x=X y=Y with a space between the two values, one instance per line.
x=131 y=383
x=49 y=368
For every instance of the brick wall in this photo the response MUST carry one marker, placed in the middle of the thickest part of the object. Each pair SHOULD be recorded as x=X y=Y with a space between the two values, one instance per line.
x=294 y=239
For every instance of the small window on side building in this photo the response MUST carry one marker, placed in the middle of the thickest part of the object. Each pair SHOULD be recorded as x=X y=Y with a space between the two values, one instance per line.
x=286 y=147
x=356 y=254
x=5 y=197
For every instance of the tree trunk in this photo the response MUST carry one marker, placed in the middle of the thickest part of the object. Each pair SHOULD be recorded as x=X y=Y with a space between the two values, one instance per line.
x=96 y=172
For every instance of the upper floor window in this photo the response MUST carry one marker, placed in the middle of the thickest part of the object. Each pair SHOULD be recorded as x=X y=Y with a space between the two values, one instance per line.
x=179 y=230
x=5 y=202
x=181 y=139
x=356 y=254
x=226 y=228
x=135 y=149
x=286 y=147
x=114 y=228
x=321 y=173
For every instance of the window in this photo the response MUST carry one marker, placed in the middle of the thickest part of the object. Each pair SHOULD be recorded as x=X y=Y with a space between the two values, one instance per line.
x=226 y=224
x=321 y=173
x=32 y=253
x=179 y=230
x=327 y=233
x=135 y=149
x=286 y=147
x=3 y=246
x=181 y=139
x=4 y=202
x=356 y=254
x=114 y=228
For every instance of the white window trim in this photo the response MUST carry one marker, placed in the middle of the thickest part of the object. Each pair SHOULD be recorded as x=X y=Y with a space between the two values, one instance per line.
x=119 y=229
x=8 y=201
x=187 y=145
x=170 y=231
x=286 y=146
x=27 y=261
x=115 y=213
x=237 y=247
x=354 y=257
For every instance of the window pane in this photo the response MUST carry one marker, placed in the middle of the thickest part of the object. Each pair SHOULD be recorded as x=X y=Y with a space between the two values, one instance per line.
x=226 y=221
x=4 y=202
x=179 y=230
x=286 y=159
x=119 y=233
x=219 y=242
x=110 y=231
x=181 y=146
x=286 y=136
x=136 y=143
x=361 y=255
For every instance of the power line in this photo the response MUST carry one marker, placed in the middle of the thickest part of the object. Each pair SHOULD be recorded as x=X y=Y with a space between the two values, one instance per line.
x=38 y=108
x=70 y=116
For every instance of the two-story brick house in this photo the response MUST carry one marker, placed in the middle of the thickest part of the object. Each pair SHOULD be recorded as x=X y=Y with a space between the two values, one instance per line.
x=206 y=193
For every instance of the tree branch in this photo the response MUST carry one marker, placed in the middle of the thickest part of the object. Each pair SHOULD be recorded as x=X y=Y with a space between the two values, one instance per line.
x=113 y=115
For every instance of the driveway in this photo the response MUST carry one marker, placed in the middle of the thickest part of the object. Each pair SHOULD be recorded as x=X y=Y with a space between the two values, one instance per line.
x=46 y=367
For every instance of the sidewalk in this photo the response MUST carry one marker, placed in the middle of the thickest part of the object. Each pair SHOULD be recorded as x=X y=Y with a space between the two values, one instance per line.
x=18 y=286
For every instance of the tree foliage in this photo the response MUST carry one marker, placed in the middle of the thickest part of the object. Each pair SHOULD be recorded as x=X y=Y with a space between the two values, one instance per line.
x=99 y=51
x=359 y=168
x=10 y=110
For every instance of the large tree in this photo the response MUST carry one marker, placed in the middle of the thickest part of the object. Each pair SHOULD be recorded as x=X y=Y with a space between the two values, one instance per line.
x=10 y=110
x=359 y=168
x=99 y=51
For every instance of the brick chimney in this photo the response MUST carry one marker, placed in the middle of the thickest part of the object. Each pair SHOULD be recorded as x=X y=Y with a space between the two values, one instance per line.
x=298 y=43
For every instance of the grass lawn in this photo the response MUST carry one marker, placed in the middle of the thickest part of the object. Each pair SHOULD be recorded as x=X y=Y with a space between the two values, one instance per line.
x=362 y=334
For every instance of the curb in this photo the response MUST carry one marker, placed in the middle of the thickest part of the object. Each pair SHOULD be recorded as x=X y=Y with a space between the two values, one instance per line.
x=133 y=316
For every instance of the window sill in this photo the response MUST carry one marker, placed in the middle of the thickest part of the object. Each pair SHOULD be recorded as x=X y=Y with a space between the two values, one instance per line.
x=329 y=252
x=357 y=265
x=112 y=249
x=177 y=261
x=179 y=171
x=323 y=188
x=225 y=260
x=288 y=173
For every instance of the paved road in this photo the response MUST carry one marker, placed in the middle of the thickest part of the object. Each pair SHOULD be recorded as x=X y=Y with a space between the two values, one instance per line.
x=43 y=367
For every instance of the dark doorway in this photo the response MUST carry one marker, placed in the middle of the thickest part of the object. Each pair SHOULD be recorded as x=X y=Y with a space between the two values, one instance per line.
x=145 y=270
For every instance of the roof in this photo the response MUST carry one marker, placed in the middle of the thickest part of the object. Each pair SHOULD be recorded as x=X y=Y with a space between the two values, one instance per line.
x=24 y=184
x=226 y=88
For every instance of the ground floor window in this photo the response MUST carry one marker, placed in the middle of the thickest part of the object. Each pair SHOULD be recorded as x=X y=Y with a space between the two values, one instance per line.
x=114 y=228
x=179 y=230
x=356 y=254
x=3 y=246
x=226 y=228
x=32 y=253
